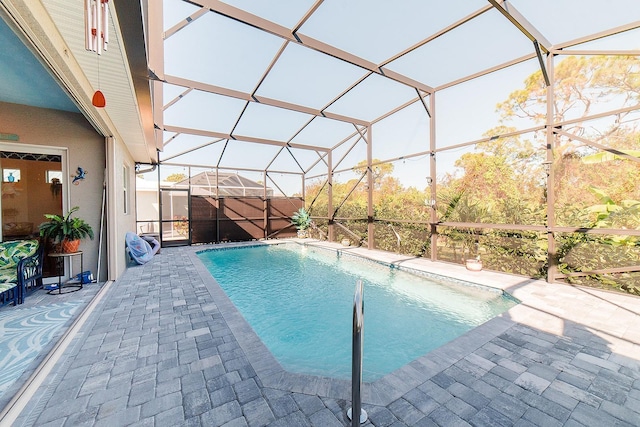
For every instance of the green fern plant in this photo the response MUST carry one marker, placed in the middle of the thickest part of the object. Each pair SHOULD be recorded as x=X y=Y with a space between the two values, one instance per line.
x=59 y=228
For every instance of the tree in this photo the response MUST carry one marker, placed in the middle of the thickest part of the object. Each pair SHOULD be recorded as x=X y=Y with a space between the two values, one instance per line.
x=176 y=177
x=504 y=179
x=594 y=188
x=585 y=86
x=381 y=171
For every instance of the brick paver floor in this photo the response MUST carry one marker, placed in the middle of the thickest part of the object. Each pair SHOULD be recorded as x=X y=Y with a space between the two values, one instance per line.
x=165 y=347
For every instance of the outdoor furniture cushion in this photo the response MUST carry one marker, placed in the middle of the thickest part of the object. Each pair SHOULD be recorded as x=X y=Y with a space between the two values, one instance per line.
x=139 y=249
x=20 y=268
x=13 y=251
x=9 y=293
x=8 y=275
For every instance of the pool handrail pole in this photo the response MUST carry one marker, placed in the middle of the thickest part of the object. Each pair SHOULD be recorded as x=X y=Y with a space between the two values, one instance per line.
x=356 y=358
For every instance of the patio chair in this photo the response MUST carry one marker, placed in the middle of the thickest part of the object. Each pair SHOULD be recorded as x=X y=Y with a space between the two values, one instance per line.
x=20 y=270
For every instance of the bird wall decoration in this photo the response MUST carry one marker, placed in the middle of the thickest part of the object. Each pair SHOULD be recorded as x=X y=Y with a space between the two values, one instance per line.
x=79 y=176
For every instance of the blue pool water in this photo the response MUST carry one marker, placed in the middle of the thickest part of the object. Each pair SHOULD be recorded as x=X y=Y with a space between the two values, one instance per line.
x=299 y=300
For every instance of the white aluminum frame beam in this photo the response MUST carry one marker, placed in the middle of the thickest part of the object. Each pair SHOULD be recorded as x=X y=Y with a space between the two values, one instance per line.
x=602 y=34
x=245 y=96
x=213 y=134
x=309 y=42
x=521 y=23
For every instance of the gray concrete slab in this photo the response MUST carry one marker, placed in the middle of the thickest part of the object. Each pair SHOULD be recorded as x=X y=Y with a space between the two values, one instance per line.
x=166 y=347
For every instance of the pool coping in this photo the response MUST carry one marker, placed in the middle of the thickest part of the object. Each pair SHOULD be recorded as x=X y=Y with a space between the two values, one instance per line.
x=384 y=390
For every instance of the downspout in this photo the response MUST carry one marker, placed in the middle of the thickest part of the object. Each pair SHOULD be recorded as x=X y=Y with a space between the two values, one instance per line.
x=139 y=171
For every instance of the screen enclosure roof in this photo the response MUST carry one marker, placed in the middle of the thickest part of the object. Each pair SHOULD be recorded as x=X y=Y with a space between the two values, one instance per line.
x=276 y=85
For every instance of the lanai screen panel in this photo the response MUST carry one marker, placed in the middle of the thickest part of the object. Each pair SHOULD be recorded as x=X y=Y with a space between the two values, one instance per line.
x=471 y=110
x=440 y=99
x=191 y=149
x=372 y=98
x=325 y=133
x=626 y=41
x=372 y=30
x=394 y=138
x=270 y=123
x=566 y=20
x=279 y=65
x=215 y=50
x=485 y=41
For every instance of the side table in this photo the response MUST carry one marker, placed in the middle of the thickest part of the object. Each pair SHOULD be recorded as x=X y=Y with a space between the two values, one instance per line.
x=59 y=260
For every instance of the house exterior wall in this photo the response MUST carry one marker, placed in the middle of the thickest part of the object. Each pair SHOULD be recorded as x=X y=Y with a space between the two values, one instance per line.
x=102 y=141
x=84 y=147
x=119 y=161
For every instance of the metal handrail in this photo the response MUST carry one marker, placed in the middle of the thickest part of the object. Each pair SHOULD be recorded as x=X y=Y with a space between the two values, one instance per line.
x=356 y=362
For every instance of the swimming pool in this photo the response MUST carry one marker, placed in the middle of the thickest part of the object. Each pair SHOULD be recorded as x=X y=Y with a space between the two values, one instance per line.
x=299 y=301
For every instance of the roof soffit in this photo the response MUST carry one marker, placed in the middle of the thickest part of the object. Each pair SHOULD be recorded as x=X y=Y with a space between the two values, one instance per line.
x=109 y=73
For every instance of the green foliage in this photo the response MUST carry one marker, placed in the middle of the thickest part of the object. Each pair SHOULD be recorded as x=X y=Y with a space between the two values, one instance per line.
x=504 y=181
x=59 y=227
x=516 y=252
x=407 y=239
x=580 y=252
x=609 y=214
x=301 y=219
x=606 y=156
x=176 y=177
x=583 y=84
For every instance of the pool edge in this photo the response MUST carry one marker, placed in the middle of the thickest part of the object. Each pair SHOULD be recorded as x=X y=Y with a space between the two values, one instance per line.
x=380 y=392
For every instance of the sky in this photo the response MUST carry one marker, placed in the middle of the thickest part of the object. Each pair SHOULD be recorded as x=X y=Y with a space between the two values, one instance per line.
x=226 y=53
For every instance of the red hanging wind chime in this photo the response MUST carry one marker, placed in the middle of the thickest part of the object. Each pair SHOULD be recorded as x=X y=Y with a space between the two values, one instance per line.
x=96 y=30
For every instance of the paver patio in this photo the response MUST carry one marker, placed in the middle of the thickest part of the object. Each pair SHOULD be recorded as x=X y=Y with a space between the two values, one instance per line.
x=164 y=346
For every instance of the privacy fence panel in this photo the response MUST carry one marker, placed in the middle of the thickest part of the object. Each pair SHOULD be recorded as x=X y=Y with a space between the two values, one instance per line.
x=228 y=219
x=279 y=213
x=204 y=212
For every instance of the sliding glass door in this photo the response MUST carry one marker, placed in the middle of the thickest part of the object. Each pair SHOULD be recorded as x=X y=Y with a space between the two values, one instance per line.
x=32 y=185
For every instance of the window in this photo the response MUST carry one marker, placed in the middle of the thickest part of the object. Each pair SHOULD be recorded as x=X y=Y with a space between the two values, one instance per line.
x=11 y=175
x=51 y=175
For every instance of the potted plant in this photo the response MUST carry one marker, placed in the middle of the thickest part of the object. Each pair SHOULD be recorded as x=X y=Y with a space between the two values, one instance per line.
x=66 y=231
x=474 y=264
x=302 y=220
